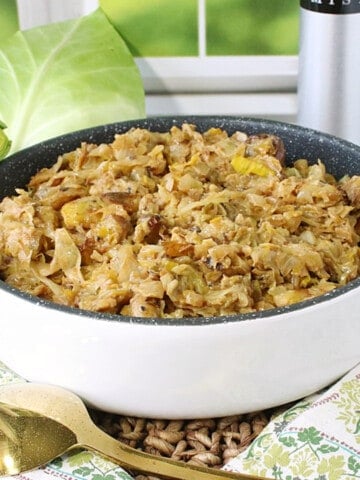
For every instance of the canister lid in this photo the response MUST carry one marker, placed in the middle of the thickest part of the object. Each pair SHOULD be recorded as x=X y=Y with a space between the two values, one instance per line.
x=332 y=6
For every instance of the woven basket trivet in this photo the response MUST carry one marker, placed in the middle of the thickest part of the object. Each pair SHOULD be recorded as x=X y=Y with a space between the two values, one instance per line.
x=207 y=442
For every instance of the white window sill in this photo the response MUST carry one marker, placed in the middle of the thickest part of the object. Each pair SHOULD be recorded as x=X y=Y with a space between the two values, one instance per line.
x=219 y=74
x=275 y=106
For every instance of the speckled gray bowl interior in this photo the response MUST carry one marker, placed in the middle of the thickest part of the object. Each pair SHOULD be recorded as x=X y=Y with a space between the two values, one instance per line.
x=339 y=156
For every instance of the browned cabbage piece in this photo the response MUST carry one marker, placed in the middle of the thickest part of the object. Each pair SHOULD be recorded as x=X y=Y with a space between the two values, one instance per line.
x=181 y=224
x=265 y=144
x=351 y=187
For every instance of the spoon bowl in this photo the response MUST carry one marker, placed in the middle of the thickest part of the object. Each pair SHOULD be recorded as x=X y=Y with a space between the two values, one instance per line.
x=29 y=439
x=41 y=422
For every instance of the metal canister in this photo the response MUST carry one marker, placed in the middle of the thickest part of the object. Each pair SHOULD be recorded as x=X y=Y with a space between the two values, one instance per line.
x=329 y=67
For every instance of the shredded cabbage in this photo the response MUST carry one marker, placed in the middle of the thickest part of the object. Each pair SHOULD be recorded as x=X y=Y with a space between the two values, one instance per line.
x=162 y=225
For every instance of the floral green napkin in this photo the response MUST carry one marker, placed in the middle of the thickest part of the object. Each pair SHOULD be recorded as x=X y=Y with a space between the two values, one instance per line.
x=316 y=439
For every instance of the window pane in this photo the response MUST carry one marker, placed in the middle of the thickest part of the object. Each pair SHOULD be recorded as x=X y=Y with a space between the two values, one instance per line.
x=252 y=27
x=8 y=18
x=156 y=27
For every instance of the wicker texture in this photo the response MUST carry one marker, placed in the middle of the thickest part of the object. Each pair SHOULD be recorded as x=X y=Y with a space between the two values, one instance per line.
x=206 y=442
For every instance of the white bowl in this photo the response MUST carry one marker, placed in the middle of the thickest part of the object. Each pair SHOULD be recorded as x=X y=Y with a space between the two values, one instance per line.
x=184 y=368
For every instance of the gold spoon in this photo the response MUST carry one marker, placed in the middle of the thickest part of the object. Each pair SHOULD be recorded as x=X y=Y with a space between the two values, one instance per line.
x=41 y=422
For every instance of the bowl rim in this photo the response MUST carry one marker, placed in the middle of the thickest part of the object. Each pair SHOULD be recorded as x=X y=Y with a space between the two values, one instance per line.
x=86 y=134
x=185 y=321
x=176 y=120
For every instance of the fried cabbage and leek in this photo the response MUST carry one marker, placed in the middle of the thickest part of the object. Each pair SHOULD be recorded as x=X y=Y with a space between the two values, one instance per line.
x=181 y=224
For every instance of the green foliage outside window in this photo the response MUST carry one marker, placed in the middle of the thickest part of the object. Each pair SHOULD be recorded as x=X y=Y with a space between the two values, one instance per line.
x=8 y=18
x=170 y=27
x=252 y=27
x=156 y=27
x=234 y=27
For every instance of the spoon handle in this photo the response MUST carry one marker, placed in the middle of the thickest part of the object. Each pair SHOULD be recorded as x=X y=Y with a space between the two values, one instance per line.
x=142 y=462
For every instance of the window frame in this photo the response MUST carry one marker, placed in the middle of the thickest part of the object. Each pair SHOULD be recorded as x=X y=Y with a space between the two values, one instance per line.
x=32 y=13
x=245 y=85
x=201 y=73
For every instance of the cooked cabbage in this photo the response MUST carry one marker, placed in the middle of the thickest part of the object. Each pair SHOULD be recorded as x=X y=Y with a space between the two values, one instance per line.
x=181 y=224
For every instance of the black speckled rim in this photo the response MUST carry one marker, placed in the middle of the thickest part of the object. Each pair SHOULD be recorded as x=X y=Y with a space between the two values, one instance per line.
x=339 y=156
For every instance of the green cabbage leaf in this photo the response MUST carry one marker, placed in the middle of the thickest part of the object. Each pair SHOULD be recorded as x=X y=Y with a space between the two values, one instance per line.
x=5 y=143
x=63 y=77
